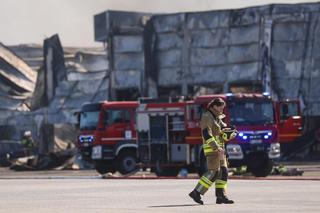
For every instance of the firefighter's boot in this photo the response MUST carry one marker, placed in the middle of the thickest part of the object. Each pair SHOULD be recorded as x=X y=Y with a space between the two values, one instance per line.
x=195 y=195
x=222 y=198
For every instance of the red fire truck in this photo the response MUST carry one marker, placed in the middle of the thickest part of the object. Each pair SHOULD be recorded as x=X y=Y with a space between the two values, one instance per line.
x=169 y=135
x=107 y=135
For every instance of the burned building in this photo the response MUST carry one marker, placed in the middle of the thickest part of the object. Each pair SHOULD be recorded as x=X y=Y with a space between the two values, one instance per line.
x=43 y=86
x=272 y=48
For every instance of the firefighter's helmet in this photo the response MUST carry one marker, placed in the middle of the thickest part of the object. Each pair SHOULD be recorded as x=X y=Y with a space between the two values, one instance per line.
x=27 y=133
x=216 y=102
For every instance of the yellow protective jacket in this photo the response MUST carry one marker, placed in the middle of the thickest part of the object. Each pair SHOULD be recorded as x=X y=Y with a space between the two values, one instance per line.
x=28 y=143
x=211 y=124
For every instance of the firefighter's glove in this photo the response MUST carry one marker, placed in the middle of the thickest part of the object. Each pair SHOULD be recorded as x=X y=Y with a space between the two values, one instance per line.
x=229 y=134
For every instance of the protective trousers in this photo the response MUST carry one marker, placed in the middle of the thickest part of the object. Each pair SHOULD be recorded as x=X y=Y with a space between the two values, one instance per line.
x=217 y=172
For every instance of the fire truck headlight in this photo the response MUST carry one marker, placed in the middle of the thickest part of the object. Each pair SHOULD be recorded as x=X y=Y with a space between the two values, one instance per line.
x=267 y=135
x=243 y=136
x=91 y=139
x=86 y=138
x=274 y=150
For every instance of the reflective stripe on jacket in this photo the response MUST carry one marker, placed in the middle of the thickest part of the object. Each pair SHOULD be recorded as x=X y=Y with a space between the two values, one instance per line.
x=211 y=132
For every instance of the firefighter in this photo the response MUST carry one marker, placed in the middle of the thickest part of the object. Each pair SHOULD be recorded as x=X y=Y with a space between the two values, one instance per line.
x=28 y=143
x=214 y=149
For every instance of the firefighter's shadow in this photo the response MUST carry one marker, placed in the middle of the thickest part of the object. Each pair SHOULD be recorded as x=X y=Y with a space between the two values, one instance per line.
x=180 y=205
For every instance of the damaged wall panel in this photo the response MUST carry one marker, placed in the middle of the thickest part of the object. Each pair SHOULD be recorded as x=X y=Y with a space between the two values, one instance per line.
x=15 y=73
x=275 y=46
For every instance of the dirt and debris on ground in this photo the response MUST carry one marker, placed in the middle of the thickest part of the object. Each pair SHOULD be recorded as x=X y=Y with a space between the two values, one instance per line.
x=67 y=159
x=277 y=170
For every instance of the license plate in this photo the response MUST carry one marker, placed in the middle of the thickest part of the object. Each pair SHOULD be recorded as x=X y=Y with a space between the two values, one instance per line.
x=256 y=141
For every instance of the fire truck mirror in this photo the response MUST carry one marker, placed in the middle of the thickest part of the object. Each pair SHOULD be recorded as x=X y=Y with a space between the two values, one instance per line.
x=284 y=112
x=105 y=118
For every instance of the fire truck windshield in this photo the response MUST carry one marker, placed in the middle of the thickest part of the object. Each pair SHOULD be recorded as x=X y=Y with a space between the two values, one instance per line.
x=89 y=120
x=251 y=112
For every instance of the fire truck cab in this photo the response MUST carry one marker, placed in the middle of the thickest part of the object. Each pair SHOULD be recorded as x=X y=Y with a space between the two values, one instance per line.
x=253 y=115
x=108 y=136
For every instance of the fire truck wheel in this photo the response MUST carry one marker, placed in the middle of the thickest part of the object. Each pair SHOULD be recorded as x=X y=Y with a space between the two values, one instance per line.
x=166 y=171
x=103 y=167
x=263 y=169
x=127 y=162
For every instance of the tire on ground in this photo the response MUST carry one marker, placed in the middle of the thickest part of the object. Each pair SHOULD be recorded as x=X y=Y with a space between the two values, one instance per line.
x=127 y=162
x=262 y=169
x=165 y=171
x=104 y=166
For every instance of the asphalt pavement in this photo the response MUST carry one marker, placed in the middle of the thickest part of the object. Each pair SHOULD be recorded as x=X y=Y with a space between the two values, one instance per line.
x=87 y=191
x=153 y=195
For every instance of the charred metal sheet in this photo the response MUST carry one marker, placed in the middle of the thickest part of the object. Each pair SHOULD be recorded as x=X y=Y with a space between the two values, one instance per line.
x=54 y=65
x=244 y=35
x=39 y=99
x=170 y=76
x=208 y=20
x=243 y=54
x=125 y=79
x=288 y=69
x=289 y=31
x=169 y=41
x=168 y=23
x=123 y=44
x=32 y=54
x=207 y=57
x=89 y=86
x=11 y=103
x=110 y=22
x=210 y=38
x=104 y=85
x=65 y=88
x=5 y=115
x=129 y=61
x=170 y=58
x=82 y=76
x=14 y=79
x=244 y=17
x=73 y=102
x=91 y=61
x=232 y=72
x=16 y=72
x=299 y=8
x=101 y=95
x=285 y=82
